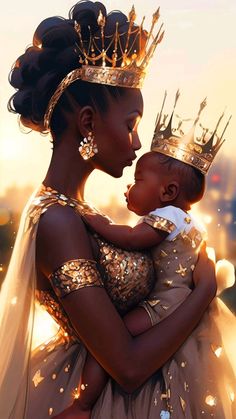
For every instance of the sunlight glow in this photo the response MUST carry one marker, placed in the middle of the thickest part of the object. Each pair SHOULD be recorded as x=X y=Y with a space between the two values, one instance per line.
x=44 y=327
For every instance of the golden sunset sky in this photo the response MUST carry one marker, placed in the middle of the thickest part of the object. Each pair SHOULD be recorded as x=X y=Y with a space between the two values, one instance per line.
x=197 y=55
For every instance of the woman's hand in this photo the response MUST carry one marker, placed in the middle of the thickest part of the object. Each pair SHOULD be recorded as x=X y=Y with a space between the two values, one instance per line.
x=204 y=274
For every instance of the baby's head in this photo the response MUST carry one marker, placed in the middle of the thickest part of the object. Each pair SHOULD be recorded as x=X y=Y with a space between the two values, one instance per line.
x=160 y=181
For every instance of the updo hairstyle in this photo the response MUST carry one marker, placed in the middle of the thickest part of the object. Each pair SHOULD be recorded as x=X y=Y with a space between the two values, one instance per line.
x=55 y=53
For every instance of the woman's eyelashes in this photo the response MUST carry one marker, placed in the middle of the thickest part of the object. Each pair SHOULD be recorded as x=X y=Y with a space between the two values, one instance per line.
x=133 y=124
x=131 y=127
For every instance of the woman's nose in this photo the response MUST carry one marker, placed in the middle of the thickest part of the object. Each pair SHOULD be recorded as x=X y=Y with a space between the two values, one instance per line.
x=136 y=144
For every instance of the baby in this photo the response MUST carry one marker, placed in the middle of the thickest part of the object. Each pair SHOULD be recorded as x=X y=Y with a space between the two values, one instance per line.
x=163 y=192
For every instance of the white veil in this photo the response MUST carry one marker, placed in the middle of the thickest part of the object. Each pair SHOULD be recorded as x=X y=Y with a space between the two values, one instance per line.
x=16 y=321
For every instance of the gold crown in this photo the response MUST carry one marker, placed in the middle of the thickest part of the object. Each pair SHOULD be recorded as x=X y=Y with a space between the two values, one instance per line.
x=197 y=151
x=126 y=70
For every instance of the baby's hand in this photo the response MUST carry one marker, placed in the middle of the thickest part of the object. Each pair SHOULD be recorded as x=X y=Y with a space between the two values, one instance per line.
x=97 y=221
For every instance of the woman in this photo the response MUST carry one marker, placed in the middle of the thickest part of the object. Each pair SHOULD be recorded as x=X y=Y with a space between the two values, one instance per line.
x=81 y=80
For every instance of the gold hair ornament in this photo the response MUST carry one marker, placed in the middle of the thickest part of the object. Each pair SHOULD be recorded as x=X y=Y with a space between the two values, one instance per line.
x=198 y=152
x=128 y=70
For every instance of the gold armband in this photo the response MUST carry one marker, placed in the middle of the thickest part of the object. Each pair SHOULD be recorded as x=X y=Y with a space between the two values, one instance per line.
x=74 y=275
x=159 y=223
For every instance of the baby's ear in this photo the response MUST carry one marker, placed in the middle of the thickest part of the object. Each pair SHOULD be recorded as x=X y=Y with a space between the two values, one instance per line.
x=169 y=192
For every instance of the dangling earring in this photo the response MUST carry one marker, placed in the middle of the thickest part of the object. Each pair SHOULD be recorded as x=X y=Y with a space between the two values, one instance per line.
x=88 y=148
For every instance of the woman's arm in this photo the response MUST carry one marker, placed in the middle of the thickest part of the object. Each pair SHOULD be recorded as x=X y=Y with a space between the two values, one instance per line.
x=129 y=360
x=142 y=236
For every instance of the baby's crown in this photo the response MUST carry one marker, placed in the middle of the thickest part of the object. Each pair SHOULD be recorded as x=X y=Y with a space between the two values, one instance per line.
x=197 y=151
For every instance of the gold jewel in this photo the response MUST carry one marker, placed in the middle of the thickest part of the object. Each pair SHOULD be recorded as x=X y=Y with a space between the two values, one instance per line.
x=37 y=378
x=88 y=148
x=125 y=70
x=197 y=151
x=182 y=271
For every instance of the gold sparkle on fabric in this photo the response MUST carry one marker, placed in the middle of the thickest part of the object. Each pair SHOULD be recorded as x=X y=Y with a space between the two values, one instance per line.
x=153 y=302
x=47 y=197
x=183 y=364
x=50 y=411
x=83 y=386
x=164 y=307
x=163 y=254
x=187 y=220
x=231 y=396
x=159 y=223
x=211 y=400
x=54 y=376
x=168 y=283
x=217 y=350
x=67 y=368
x=186 y=387
x=37 y=378
x=181 y=271
x=14 y=301
x=75 y=394
x=183 y=403
x=155 y=401
x=61 y=390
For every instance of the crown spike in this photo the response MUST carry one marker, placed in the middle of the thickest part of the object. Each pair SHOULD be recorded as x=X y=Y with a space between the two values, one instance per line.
x=202 y=106
x=132 y=14
x=78 y=30
x=159 y=115
x=208 y=147
x=132 y=17
x=225 y=128
x=153 y=46
x=176 y=98
x=140 y=34
x=155 y=18
x=114 y=56
x=102 y=22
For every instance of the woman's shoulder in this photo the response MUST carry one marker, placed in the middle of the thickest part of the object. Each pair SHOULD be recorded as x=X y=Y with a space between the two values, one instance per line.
x=61 y=236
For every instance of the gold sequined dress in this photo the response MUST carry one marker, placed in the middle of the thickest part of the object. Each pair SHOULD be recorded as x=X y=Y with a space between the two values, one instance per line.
x=56 y=365
x=199 y=378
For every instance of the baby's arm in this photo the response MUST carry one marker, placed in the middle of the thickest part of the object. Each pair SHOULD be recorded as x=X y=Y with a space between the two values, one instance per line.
x=94 y=377
x=130 y=238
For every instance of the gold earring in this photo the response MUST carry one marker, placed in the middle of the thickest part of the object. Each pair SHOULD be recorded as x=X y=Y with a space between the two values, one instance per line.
x=88 y=148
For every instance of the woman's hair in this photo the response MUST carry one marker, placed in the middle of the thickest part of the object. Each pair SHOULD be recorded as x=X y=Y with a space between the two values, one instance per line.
x=192 y=180
x=55 y=53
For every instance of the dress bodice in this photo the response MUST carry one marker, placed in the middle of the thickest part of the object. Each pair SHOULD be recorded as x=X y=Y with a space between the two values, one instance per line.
x=128 y=277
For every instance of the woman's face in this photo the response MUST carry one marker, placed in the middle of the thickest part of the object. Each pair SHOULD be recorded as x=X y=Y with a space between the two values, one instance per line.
x=116 y=133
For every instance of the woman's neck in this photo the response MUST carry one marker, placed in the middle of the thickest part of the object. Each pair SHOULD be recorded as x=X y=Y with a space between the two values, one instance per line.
x=68 y=172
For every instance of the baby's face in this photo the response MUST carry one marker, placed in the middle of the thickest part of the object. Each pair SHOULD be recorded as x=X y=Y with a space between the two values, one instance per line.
x=143 y=196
